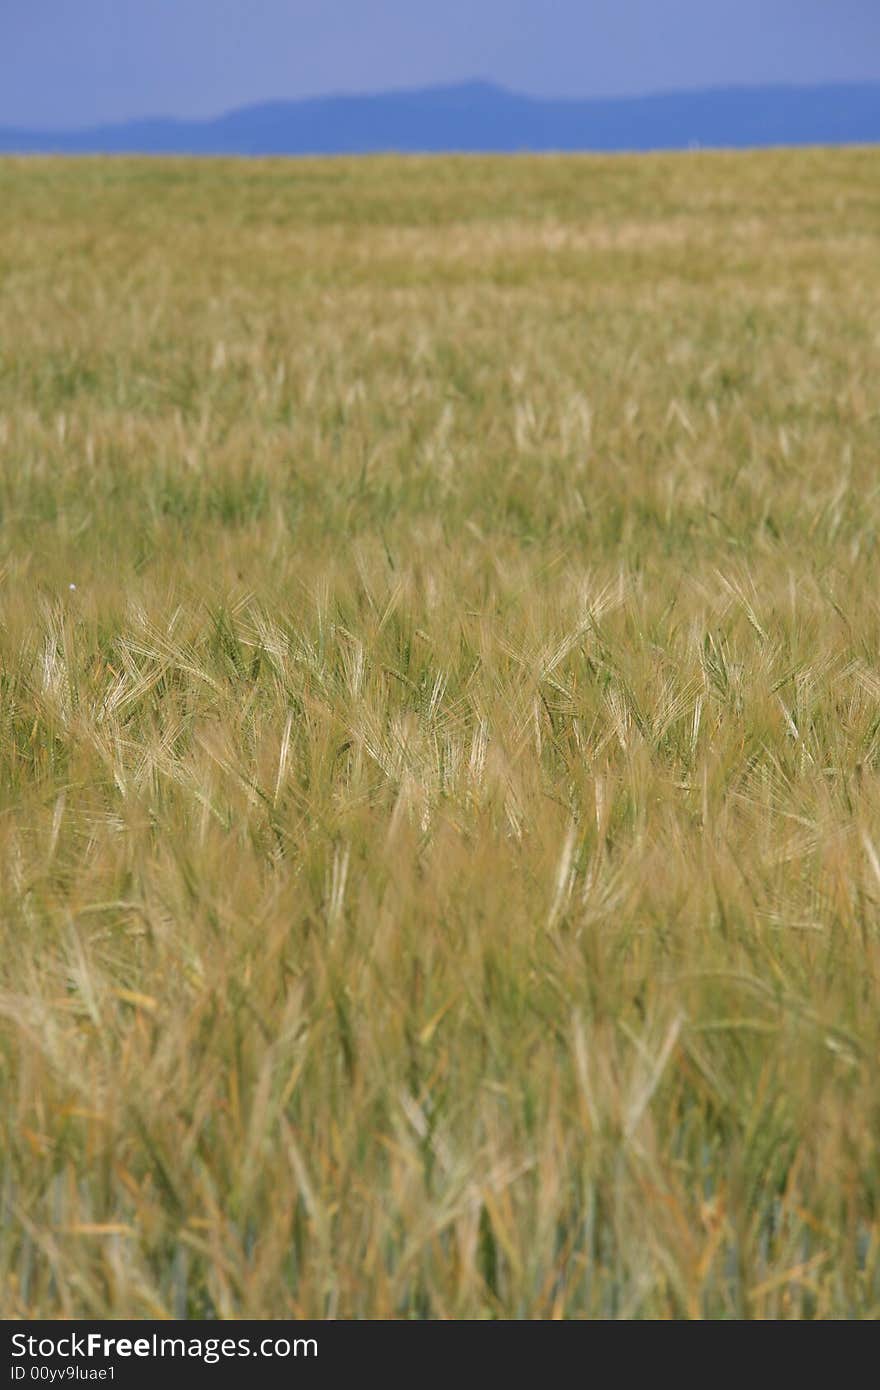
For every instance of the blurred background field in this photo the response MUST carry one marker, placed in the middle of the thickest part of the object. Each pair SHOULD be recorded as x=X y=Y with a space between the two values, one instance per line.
x=440 y=830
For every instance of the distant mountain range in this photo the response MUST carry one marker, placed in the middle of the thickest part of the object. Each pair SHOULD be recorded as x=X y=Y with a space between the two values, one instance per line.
x=478 y=116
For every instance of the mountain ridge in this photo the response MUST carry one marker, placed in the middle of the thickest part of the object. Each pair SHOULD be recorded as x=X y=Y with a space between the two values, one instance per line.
x=478 y=116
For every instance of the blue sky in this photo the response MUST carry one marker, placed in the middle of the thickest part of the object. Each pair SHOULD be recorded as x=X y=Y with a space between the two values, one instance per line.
x=66 y=63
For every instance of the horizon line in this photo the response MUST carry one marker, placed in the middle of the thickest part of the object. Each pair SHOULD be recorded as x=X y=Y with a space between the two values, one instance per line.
x=460 y=85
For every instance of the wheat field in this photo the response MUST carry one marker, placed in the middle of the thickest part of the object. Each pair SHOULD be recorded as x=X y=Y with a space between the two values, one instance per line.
x=440 y=737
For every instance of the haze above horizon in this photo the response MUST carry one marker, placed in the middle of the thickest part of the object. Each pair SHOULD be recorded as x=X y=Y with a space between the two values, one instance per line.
x=66 y=68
